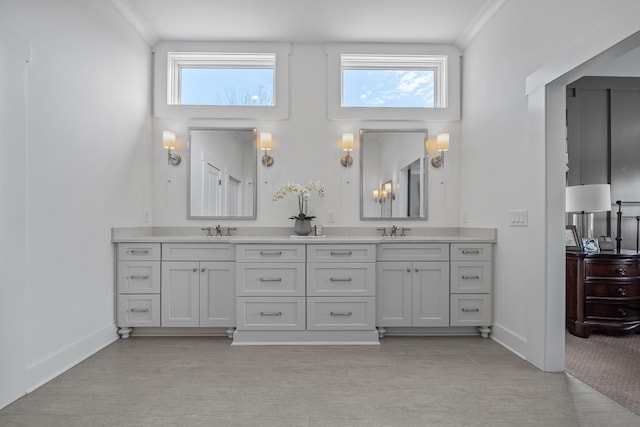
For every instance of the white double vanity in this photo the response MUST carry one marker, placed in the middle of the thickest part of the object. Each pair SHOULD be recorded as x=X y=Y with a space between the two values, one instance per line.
x=263 y=286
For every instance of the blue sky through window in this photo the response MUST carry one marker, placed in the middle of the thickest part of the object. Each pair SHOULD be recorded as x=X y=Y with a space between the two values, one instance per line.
x=388 y=88
x=227 y=86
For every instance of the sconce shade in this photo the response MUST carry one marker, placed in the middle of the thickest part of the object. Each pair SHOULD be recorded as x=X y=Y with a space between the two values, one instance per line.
x=388 y=187
x=168 y=139
x=442 y=142
x=588 y=198
x=376 y=194
x=347 y=141
x=265 y=141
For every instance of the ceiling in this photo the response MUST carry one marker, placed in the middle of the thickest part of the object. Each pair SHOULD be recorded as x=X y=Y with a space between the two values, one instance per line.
x=402 y=21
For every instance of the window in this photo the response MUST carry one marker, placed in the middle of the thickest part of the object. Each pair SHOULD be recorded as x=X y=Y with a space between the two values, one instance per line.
x=395 y=81
x=224 y=79
x=389 y=81
x=221 y=80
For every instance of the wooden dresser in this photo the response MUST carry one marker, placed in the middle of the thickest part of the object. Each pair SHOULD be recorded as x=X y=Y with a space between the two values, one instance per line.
x=603 y=293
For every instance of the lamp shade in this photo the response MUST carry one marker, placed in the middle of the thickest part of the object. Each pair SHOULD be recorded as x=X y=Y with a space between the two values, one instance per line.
x=347 y=141
x=265 y=141
x=588 y=198
x=168 y=139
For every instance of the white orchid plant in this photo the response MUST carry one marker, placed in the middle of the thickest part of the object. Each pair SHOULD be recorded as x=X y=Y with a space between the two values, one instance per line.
x=303 y=193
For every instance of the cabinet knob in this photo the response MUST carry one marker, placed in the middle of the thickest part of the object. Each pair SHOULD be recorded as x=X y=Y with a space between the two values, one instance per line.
x=621 y=271
x=621 y=291
x=622 y=312
x=203 y=270
x=416 y=270
x=195 y=270
x=408 y=270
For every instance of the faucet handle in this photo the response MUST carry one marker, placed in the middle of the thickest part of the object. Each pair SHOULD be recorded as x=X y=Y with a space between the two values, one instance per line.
x=208 y=230
x=229 y=230
x=384 y=231
x=402 y=231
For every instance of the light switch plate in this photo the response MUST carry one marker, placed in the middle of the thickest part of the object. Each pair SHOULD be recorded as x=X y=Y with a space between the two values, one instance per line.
x=519 y=218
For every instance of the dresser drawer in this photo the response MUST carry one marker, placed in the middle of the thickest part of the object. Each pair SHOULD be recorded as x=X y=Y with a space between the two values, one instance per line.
x=270 y=253
x=335 y=314
x=266 y=313
x=612 y=290
x=470 y=310
x=471 y=252
x=341 y=253
x=139 y=277
x=620 y=311
x=139 y=251
x=611 y=270
x=197 y=252
x=261 y=279
x=353 y=279
x=471 y=277
x=139 y=310
x=413 y=252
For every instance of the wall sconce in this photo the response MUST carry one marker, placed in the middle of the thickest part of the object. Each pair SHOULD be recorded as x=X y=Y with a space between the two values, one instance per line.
x=376 y=196
x=265 y=145
x=169 y=142
x=440 y=144
x=347 y=145
x=389 y=190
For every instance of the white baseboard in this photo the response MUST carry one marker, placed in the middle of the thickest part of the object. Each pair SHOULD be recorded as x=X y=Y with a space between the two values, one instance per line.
x=43 y=371
x=510 y=340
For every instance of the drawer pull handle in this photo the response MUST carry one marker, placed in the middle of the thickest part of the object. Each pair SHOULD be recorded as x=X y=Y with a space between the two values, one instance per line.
x=621 y=271
x=138 y=251
x=341 y=313
x=270 y=253
x=341 y=253
x=139 y=310
x=470 y=277
x=195 y=270
x=271 y=279
x=621 y=291
x=139 y=277
x=471 y=252
x=470 y=310
x=270 y=313
x=622 y=312
x=337 y=279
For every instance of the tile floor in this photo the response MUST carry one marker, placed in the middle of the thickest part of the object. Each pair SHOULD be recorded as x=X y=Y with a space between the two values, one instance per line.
x=407 y=381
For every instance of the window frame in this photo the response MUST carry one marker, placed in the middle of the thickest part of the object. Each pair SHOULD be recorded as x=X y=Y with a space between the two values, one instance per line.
x=396 y=56
x=170 y=56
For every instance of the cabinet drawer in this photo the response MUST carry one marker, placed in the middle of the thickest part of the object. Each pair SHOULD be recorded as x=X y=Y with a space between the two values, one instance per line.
x=341 y=253
x=470 y=310
x=612 y=290
x=266 y=313
x=413 y=252
x=335 y=313
x=139 y=251
x=197 y=252
x=261 y=279
x=613 y=311
x=139 y=277
x=471 y=252
x=270 y=253
x=139 y=310
x=353 y=279
x=471 y=277
x=611 y=270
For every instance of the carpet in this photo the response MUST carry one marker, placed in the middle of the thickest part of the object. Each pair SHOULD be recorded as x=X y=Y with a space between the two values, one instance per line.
x=609 y=364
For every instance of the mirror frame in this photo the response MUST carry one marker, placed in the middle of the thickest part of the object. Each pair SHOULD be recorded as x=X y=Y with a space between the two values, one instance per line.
x=254 y=177
x=424 y=181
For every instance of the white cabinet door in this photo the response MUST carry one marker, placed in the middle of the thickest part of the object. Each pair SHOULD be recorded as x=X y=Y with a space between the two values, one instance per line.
x=180 y=293
x=393 y=293
x=430 y=294
x=217 y=294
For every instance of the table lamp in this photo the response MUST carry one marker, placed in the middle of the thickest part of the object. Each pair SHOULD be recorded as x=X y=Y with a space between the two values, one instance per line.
x=585 y=200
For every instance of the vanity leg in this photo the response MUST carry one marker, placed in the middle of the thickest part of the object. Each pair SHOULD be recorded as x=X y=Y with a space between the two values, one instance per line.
x=484 y=331
x=230 y=332
x=124 y=332
x=381 y=331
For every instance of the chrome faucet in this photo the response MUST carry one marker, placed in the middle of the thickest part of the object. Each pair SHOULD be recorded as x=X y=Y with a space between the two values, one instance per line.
x=209 y=231
x=229 y=229
x=384 y=231
x=403 y=231
x=218 y=230
x=394 y=231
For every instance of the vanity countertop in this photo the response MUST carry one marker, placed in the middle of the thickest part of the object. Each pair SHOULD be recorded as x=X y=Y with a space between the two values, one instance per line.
x=278 y=235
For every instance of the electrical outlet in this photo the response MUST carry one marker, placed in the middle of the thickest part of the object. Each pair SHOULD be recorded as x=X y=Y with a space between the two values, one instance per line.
x=519 y=218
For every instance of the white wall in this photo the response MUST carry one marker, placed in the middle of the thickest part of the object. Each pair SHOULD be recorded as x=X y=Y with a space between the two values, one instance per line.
x=505 y=160
x=305 y=149
x=87 y=169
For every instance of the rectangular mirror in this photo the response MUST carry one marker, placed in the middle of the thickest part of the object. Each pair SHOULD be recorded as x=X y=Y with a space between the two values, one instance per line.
x=393 y=174
x=222 y=173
